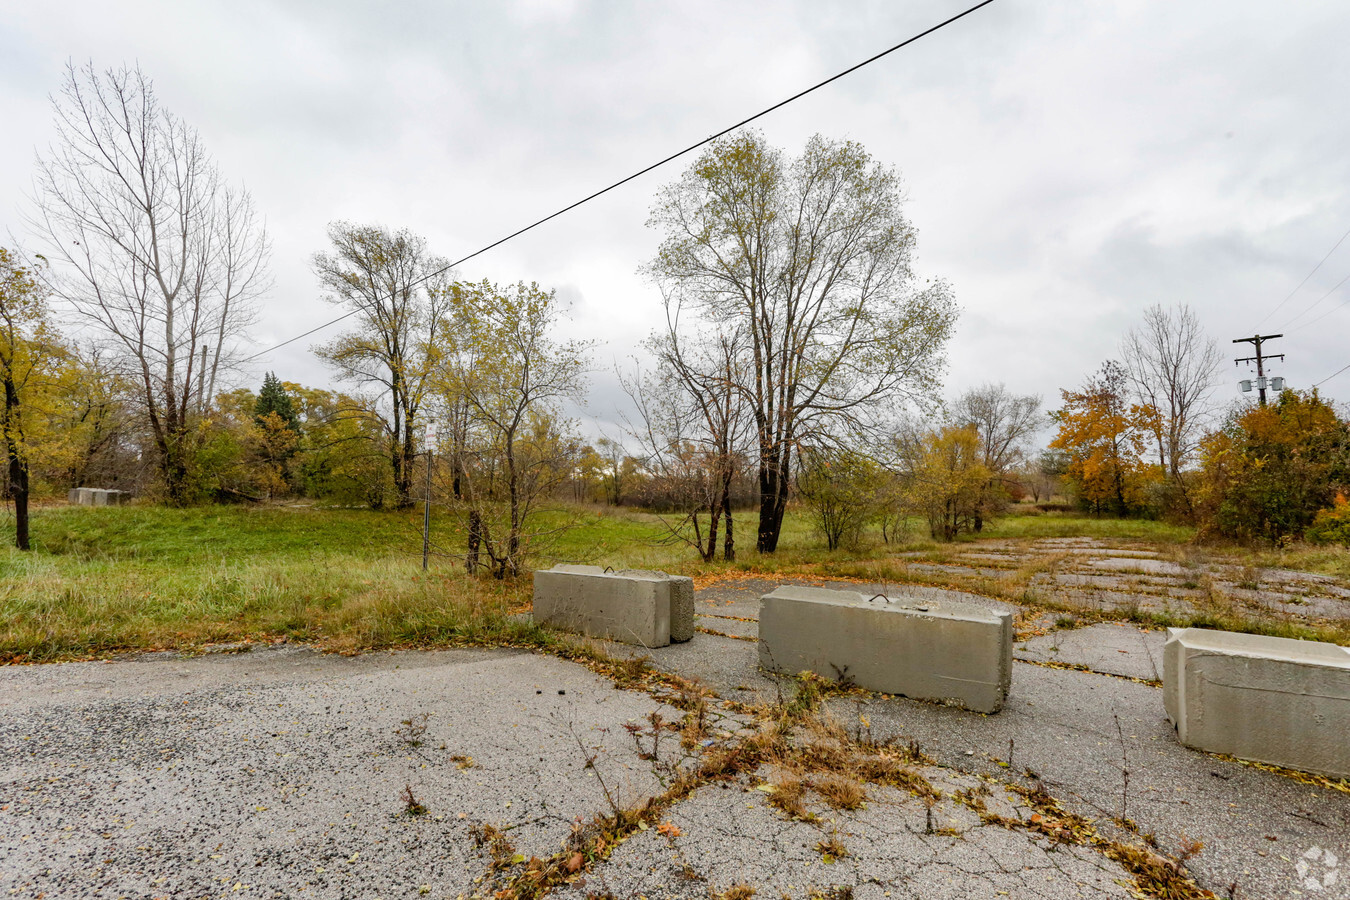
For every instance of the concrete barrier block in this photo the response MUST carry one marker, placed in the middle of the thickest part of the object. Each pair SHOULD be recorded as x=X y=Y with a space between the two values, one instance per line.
x=85 y=496
x=949 y=651
x=681 y=608
x=1266 y=699
x=631 y=606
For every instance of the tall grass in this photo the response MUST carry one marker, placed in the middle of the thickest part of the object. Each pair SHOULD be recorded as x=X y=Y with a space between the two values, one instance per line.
x=101 y=581
x=106 y=580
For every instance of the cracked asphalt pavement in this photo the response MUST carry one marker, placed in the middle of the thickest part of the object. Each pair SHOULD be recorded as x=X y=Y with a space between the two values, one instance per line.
x=283 y=772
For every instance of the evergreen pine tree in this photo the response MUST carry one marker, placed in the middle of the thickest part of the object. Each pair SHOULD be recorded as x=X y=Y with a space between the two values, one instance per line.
x=274 y=399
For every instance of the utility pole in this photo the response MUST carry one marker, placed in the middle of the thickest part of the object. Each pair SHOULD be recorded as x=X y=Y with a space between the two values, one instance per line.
x=1257 y=340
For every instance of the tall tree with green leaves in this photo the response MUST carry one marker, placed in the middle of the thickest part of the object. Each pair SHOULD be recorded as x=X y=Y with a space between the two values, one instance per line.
x=276 y=433
x=810 y=259
x=841 y=491
x=499 y=361
x=399 y=293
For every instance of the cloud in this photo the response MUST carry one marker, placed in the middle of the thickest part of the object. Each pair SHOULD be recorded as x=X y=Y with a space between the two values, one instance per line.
x=1067 y=165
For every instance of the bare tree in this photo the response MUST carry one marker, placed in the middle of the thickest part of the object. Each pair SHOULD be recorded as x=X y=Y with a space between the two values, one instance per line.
x=809 y=260
x=152 y=246
x=693 y=424
x=613 y=453
x=1173 y=368
x=400 y=294
x=1005 y=423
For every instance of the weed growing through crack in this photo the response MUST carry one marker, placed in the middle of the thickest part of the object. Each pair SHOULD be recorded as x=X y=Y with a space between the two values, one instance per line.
x=411 y=805
x=831 y=848
x=591 y=754
x=841 y=892
x=1124 y=777
x=412 y=729
x=498 y=846
x=786 y=796
x=1186 y=851
x=694 y=701
x=647 y=741
x=799 y=744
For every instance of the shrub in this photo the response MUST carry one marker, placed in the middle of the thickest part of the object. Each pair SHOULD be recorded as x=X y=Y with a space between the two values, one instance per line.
x=946 y=482
x=1332 y=525
x=1270 y=470
x=841 y=490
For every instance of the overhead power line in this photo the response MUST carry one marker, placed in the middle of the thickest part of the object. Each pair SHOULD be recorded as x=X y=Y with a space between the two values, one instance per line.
x=1331 y=376
x=1281 y=304
x=1333 y=309
x=1317 y=304
x=708 y=140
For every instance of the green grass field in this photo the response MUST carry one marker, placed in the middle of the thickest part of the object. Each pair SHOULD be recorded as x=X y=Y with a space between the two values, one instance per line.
x=102 y=581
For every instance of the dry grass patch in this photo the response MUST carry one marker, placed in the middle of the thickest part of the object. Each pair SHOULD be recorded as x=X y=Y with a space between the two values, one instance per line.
x=786 y=793
x=840 y=793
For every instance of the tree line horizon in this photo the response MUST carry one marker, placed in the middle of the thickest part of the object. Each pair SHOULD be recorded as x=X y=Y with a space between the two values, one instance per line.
x=800 y=356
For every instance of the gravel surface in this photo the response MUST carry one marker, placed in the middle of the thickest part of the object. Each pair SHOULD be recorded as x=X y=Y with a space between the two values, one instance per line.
x=117 y=782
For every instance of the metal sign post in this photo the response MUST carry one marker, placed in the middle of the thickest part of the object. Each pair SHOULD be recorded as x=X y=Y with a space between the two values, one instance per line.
x=426 y=501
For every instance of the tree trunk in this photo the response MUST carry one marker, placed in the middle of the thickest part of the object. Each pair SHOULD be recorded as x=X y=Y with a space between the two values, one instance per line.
x=475 y=541
x=729 y=543
x=773 y=497
x=173 y=463
x=18 y=465
x=767 y=539
x=714 y=514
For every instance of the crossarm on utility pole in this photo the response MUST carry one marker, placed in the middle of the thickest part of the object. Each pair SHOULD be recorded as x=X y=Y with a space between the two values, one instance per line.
x=1256 y=340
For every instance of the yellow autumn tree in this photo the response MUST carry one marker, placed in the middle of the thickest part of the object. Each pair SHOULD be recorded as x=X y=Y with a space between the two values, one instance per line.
x=945 y=479
x=1104 y=436
x=1274 y=471
x=32 y=356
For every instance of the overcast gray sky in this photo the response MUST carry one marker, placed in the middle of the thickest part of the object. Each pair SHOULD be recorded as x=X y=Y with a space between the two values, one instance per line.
x=1067 y=163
